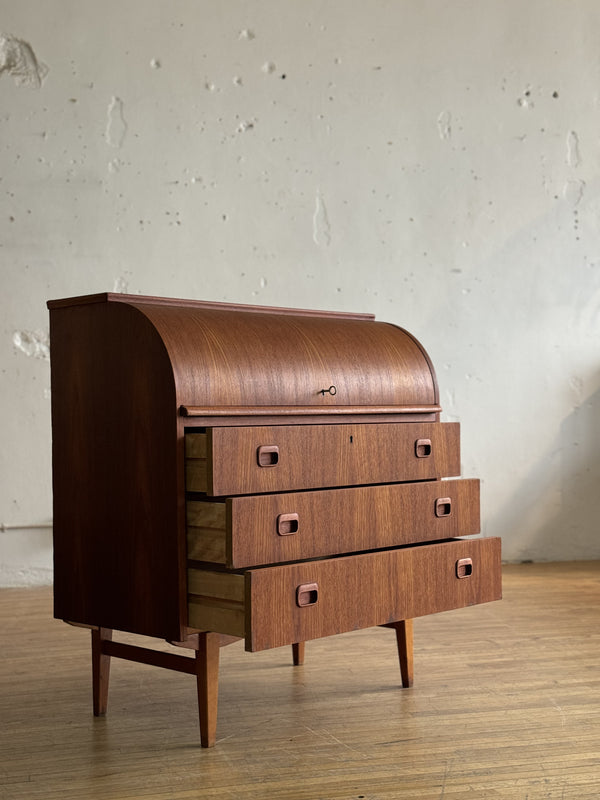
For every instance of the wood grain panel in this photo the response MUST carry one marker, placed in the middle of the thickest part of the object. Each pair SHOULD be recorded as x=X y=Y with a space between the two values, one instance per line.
x=315 y=456
x=206 y=532
x=196 y=445
x=223 y=585
x=221 y=617
x=249 y=357
x=207 y=544
x=217 y=602
x=244 y=532
x=352 y=591
x=119 y=547
x=370 y=589
x=207 y=514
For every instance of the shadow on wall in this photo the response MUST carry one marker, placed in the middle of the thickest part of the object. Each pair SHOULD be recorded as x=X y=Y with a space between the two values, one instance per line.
x=556 y=506
x=577 y=520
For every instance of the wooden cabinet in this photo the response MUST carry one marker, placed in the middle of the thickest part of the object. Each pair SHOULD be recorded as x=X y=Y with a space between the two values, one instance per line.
x=275 y=475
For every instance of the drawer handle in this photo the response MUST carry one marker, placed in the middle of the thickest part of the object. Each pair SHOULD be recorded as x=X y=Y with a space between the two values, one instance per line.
x=464 y=568
x=267 y=455
x=443 y=506
x=307 y=594
x=423 y=448
x=287 y=524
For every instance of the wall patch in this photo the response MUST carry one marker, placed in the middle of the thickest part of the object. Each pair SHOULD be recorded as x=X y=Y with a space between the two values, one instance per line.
x=18 y=59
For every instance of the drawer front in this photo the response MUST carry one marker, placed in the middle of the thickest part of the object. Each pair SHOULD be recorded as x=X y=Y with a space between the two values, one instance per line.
x=248 y=460
x=269 y=529
x=296 y=602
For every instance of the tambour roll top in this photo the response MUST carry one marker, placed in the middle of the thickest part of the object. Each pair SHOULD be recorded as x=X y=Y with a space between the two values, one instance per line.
x=227 y=359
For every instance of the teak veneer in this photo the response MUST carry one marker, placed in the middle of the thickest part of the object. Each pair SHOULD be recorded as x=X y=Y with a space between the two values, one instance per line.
x=277 y=475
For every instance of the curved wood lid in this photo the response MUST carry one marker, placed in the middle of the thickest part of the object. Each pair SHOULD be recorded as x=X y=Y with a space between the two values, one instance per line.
x=231 y=359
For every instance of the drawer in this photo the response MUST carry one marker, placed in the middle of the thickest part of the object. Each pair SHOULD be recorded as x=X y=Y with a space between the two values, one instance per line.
x=267 y=529
x=289 y=603
x=248 y=460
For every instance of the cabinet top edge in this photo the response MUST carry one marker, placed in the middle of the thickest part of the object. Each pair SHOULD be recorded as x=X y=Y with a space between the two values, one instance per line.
x=138 y=299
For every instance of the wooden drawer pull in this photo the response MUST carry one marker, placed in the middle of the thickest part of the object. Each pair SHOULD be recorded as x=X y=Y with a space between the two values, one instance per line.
x=267 y=455
x=443 y=506
x=423 y=448
x=287 y=524
x=464 y=568
x=307 y=594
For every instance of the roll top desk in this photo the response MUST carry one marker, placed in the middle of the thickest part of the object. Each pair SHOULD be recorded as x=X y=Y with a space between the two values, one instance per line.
x=277 y=475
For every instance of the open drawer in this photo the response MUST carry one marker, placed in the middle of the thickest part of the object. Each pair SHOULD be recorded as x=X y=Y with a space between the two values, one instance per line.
x=279 y=605
x=281 y=458
x=273 y=528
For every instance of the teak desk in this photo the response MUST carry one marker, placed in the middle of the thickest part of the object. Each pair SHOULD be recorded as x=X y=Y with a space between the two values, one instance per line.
x=226 y=471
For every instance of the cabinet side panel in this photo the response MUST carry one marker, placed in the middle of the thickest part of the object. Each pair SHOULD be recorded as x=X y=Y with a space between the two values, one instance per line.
x=117 y=539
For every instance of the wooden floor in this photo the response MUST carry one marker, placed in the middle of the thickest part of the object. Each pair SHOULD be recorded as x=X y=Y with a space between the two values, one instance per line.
x=506 y=704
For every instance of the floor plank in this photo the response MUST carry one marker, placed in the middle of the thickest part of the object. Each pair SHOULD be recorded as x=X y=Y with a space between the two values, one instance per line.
x=506 y=704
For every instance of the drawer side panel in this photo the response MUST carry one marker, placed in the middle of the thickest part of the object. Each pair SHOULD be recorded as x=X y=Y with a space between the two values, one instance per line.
x=216 y=602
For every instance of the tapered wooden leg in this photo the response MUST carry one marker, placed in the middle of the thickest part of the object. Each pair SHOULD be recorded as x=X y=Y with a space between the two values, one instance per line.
x=100 y=670
x=404 y=640
x=298 y=653
x=207 y=676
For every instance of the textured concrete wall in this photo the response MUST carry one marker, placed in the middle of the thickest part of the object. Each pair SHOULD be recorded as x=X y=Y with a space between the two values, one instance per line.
x=432 y=162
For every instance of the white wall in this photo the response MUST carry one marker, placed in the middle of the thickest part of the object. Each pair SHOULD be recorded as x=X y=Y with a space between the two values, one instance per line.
x=433 y=162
